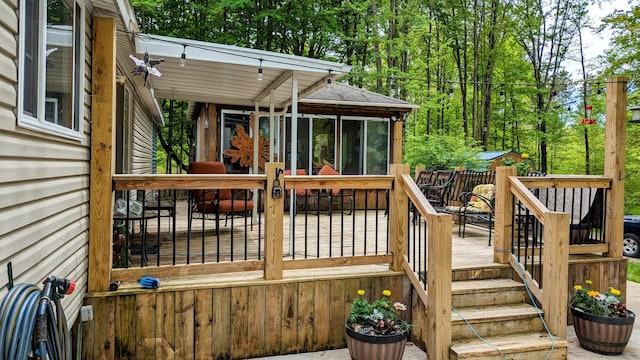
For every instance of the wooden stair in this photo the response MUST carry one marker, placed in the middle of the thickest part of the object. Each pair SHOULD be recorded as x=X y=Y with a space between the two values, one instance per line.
x=491 y=319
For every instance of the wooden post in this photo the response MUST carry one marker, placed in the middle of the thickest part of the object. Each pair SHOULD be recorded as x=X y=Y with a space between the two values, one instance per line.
x=439 y=252
x=418 y=169
x=273 y=228
x=615 y=147
x=103 y=109
x=398 y=212
x=555 y=275
x=503 y=214
x=397 y=141
x=212 y=118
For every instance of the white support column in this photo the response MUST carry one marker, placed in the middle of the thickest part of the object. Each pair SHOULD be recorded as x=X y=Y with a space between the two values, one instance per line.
x=256 y=137
x=294 y=150
x=272 y=129
x=256 y=155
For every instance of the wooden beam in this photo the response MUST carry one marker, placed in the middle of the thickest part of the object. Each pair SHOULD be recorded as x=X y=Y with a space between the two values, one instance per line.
x=398 y=210
x=397 y=141
x=554 y=181
x=338 y=261
x=439 y=253
x=212 y=118
x=555 y=275
x=615 y=147
x=273 y=230
x=503 y=214
x=274 y=85
x=103 y=109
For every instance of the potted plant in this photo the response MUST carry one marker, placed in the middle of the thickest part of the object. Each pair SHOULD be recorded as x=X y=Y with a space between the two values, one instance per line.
x=375 y=330
x=602 y=322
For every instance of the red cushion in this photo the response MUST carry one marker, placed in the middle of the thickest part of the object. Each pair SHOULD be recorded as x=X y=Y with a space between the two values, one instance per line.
x=328 y=170
x=299 y=172
x=227 y=206
x=209 y=167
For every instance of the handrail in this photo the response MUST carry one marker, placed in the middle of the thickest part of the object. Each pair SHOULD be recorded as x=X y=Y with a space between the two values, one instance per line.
x=529 y=200
x=435 y=279
x=417 y=197
x=566 y=181
x=186 y=182
x=555 y=227
x=338 y=182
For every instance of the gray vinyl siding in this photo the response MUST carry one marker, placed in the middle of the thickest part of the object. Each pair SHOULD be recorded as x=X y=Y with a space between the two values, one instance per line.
x=142 y=150
x=44 y=185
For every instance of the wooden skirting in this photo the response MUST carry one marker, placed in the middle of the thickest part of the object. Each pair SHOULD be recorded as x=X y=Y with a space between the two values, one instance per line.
x=602 y=271
x=233 y=322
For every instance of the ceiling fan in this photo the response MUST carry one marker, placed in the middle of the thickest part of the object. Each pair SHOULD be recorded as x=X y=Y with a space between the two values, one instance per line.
x=146 y=66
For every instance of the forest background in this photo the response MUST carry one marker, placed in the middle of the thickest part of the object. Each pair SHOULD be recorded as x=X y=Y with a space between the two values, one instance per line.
x=487 y=74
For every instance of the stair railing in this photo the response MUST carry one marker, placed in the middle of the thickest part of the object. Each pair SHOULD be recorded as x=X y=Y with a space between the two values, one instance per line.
x=551 y=259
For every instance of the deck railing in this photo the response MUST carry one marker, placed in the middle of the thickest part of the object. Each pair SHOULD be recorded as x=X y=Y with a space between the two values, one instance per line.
x=315 y=229
x=334 y=221
x=428 y=262
x=539 y=222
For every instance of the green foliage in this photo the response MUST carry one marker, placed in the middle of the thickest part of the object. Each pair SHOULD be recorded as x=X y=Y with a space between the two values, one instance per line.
x=633 y=271
x=440 y=152
x=487 y=75
x=606 y=303
x=380 y=317
x=522 y=167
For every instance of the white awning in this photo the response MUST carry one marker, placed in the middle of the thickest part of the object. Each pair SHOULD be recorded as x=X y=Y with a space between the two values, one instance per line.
x=224 y=74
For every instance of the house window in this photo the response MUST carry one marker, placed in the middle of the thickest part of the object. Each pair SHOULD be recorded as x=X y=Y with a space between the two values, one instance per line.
x=51 y=67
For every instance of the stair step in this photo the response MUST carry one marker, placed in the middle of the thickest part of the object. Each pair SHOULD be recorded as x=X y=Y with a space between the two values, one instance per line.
x=536 y=345
x=486 y=292
x=495 y=271
x=494 y=320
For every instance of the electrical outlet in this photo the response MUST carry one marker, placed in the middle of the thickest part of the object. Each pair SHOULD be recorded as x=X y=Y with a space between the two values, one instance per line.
x=86 y=313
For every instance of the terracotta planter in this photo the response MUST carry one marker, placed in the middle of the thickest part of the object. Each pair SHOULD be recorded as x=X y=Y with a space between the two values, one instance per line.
x=375 y=347
x=602 y=334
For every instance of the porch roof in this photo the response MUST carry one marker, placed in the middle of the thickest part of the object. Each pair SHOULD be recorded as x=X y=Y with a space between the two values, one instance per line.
x=224 y=74
x=350 y=100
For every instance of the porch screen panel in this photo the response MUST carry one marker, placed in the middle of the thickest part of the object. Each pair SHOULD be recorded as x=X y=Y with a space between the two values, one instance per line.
x=324 y=143
x=303 y=144
x=352 y=143
x=231 y=121
x=377 y=147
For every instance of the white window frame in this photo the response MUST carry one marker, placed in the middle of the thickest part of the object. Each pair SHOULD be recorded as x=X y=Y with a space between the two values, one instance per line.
x=38 y=122
x=366 y=121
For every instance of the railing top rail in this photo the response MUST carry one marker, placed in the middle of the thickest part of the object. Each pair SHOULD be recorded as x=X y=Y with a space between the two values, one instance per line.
x=186 y=182
x=413 y=191
x=530 y=201
x=338 y=181
x=566 y=181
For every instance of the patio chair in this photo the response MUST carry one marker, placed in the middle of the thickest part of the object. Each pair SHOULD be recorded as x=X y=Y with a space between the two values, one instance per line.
x=477 y=207
x=342 y=197
x=211 y=204
x=305 y=199
x=436 y=185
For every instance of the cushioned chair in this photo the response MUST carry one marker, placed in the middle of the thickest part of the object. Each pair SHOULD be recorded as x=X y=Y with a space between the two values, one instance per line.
x=340 y=197
x=211 y=204
x=305 y=199
x=476 y=207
